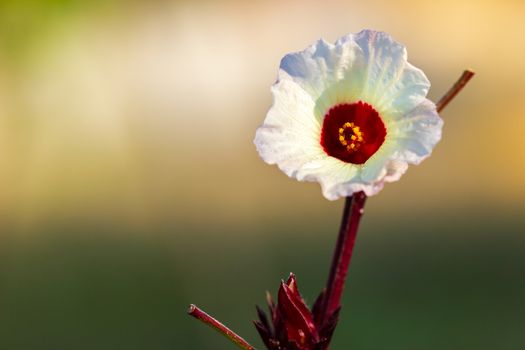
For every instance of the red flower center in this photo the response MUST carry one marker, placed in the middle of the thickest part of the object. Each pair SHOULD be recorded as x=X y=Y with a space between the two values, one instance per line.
x=352 y=132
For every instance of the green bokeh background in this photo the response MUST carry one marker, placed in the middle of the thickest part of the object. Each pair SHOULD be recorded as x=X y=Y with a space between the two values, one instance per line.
x=429 y=284
x=131 y=188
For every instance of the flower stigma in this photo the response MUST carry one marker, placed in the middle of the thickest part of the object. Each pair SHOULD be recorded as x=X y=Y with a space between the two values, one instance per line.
x=351 y=136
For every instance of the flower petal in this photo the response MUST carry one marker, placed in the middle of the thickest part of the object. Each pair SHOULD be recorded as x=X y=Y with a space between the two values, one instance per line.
x=346 y=189
x=392 y=85
x=417 y=134
x=314 y=69
x=289 y=136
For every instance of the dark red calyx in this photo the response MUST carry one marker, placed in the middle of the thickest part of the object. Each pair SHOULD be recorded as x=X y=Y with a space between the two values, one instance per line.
x=299 y=321
x=291 y=325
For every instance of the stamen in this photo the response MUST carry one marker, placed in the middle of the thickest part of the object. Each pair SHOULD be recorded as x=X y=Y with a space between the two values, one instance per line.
x=351 y=136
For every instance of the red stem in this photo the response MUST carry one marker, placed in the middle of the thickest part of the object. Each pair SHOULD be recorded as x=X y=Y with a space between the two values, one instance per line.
x=455 y=89
x=353 y=210
x=219 y=327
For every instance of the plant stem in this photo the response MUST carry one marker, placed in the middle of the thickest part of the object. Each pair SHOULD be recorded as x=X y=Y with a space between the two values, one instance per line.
x=455 y=89
x=352 y=212
x=219 y=327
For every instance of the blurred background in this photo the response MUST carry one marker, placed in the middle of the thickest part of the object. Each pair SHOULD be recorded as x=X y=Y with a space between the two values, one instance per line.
x=130 y=186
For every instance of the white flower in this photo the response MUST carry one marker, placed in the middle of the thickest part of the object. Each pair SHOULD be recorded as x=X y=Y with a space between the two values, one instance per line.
x=350 y=116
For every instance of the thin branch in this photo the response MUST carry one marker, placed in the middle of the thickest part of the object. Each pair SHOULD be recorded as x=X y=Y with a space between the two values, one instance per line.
x=219 y=327
x=454 y=90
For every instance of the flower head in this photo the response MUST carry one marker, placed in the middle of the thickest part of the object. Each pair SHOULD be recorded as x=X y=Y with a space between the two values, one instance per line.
x=350 y=115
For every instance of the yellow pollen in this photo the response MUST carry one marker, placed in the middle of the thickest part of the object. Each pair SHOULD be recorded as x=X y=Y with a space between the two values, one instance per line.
x=351 y=136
